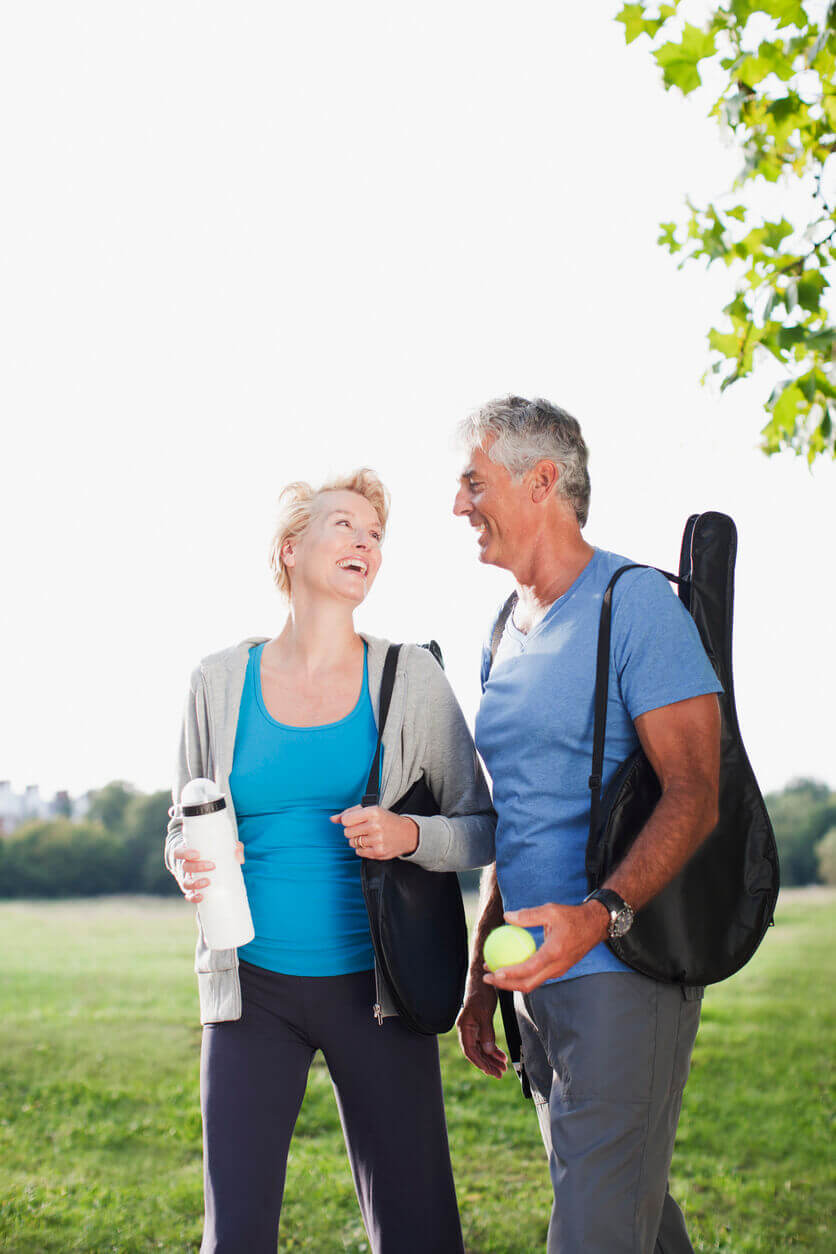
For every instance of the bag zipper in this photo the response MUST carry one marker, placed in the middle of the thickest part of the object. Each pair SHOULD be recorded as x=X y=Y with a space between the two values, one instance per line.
x=377 y=1008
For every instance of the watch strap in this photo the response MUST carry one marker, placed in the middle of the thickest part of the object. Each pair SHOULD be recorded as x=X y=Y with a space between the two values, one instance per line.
x=608 y=898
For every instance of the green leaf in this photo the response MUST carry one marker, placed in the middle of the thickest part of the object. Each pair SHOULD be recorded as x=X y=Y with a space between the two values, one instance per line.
x=713 y=238
x=752 y=244
x=810 y=287
x=635 y=22
x=666 y=239
x=770 y=59
x=775 y=232
x=738 y=310
x=728 y=345
x=821 y=341
x=780 y=299
x=787 y=409
x=787 y=12
x=822 y=57
x=807 y=384
x=784 y=116
x=824 y=384
x=679 y=61
x=775 y=53
x=789 y=336
x=770 y=341
x=742 y=10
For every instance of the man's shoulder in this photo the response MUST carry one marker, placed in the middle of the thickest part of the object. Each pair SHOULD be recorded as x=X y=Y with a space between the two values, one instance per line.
x=648 y=580
x=609 y=562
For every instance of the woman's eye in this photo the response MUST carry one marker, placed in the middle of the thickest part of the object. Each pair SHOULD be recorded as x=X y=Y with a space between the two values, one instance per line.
x=343 y=520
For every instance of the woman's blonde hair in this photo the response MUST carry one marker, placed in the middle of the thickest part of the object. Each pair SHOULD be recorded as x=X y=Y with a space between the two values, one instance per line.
x=296 y=507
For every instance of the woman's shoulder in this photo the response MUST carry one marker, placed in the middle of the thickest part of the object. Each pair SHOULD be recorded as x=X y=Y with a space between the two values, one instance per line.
x=225 y=660
x=413 y=658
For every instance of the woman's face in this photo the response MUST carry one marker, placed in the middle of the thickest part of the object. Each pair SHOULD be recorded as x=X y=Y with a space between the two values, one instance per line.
x=339 y=554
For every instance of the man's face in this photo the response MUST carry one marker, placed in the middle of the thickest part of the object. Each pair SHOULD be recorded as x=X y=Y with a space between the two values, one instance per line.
x=494 y=505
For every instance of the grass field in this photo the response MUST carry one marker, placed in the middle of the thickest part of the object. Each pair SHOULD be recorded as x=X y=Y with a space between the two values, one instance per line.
x=100 y=1130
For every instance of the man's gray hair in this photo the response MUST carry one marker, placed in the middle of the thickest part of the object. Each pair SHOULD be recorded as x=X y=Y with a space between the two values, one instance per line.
x=528 y=432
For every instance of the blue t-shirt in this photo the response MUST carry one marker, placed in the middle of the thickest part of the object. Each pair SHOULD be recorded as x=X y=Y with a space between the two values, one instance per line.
x=534 y=725
x=302 y=876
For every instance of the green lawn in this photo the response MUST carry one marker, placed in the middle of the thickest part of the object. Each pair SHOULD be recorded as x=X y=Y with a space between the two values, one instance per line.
x=100 y=1130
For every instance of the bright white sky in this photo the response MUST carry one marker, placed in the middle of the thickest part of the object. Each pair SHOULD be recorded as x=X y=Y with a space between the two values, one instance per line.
x=244 y=244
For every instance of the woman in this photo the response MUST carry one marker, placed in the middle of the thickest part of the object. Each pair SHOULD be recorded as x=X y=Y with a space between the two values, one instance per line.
x=280 y=727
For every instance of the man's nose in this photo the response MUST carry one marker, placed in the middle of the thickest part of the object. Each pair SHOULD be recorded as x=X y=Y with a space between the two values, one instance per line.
x=461 y=505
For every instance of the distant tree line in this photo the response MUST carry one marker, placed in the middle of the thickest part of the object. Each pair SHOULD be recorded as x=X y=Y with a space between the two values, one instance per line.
x=804 y=818
x=117 y=847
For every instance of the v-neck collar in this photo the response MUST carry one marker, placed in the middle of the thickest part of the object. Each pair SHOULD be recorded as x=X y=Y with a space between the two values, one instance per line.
x=522 y=637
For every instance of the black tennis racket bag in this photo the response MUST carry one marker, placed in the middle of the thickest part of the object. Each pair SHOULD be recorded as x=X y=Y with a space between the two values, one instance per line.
x=709 y=920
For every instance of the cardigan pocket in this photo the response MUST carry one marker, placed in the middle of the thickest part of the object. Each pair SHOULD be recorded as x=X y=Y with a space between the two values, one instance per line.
x=220 y=995
x=206 y=959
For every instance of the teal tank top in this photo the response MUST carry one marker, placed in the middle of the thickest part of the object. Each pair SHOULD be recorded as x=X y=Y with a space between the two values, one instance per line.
x=302 y=876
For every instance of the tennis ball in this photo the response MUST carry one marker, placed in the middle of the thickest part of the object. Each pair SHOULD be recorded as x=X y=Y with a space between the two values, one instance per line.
x=507 y=945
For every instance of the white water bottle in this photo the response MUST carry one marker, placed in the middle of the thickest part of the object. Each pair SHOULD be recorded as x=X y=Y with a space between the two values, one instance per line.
x=224 y=911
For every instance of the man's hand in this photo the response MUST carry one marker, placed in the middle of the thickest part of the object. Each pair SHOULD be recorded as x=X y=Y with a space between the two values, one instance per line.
x=475 y=1021
x=570 y=933
x=475 y=1028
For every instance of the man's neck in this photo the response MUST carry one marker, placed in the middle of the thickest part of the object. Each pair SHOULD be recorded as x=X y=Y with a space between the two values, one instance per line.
x=549 y=572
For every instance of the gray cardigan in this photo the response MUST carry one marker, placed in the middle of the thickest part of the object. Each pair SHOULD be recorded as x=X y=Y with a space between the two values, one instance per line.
x=425 y=733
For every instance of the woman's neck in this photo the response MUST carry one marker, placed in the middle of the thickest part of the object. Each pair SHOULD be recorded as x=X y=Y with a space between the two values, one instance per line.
x=316 y=637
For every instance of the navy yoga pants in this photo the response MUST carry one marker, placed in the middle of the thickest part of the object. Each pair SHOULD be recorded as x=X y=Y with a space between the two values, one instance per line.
x=387 y=1082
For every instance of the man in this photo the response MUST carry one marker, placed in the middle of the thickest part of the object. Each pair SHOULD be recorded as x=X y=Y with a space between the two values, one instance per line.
x=606 y=1050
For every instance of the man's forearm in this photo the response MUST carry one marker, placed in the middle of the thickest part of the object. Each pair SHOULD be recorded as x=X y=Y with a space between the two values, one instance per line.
x=490 y=916
x=684 y=816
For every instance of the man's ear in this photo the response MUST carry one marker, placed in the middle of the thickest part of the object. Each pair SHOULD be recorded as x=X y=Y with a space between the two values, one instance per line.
x=544 y=477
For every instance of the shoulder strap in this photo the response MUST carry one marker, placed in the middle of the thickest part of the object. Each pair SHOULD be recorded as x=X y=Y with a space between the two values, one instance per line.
x=387 y=683
x=433 y=647
x=602 y=684
x=499 y=626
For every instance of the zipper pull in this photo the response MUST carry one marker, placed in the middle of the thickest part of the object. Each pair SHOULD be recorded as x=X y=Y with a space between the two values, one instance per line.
x=378 y=1013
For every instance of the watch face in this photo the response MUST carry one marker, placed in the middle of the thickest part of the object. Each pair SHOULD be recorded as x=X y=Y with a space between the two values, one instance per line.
x=621 y=922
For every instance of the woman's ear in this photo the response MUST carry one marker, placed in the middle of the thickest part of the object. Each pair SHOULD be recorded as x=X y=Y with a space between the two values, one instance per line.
x=287 y=554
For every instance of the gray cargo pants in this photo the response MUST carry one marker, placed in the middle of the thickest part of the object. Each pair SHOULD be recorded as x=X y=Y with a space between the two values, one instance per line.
x=607 y=1058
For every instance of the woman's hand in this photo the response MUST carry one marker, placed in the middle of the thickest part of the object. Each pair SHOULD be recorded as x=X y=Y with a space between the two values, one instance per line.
x=376 y=833
x=192 y=867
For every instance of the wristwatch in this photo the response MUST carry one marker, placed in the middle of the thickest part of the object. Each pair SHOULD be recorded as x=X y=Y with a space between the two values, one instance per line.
x=621 y=915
